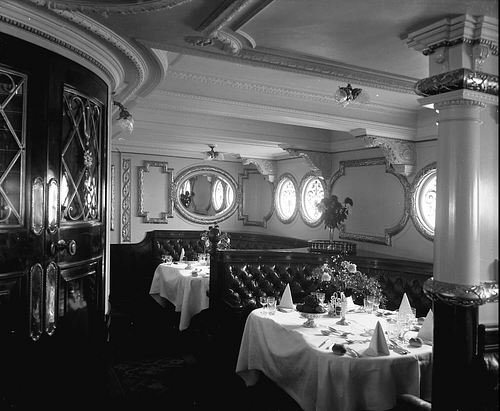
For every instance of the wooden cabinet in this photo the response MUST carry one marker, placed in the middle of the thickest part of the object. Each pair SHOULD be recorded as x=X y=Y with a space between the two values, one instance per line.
x=53 y=162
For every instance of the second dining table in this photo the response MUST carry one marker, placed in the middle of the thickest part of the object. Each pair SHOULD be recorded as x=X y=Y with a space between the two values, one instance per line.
x=300 y=360
x=186 y=288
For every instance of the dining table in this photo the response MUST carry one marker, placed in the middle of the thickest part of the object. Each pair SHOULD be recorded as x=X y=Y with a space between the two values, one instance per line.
x=301 y=361
x=185 y=286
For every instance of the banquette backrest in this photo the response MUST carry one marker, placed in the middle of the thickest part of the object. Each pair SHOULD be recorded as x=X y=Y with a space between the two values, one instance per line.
x=132 y=265
x=242 y=276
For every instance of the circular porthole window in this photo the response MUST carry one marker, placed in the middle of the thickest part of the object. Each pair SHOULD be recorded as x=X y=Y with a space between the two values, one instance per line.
x=312 y=191
x=424 y=201
x=286 y=198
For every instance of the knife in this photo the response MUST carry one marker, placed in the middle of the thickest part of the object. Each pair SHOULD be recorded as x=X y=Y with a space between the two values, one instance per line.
x=323 y=343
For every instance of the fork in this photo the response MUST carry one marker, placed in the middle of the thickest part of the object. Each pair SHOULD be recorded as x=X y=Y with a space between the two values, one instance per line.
x=397 y=348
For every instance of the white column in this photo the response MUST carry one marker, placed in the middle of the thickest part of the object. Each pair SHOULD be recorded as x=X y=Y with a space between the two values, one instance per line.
x=459 y=221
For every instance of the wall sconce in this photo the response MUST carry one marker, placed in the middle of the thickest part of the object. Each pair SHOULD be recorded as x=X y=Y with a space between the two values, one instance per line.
x=344 y=95
x=125 y=120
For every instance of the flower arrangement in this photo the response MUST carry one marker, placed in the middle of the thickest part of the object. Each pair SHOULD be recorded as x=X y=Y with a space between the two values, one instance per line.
x=223 y=243
x=340 y=275
x=333 y=212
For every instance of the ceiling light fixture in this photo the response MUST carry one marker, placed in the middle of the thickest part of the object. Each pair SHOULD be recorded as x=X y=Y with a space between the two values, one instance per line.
x=125 y=120
x=212 y=155
x=344 y=95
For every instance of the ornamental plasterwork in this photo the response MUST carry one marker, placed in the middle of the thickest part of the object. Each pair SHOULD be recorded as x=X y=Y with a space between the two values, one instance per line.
x=280 y=91
x=459 y=79
x=267 y=168
x=318 y=162
x=401 y=154
x=293 y=64
x=107 y=8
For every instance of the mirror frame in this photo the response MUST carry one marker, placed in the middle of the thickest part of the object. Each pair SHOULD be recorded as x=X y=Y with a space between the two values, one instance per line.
x=194 y=218
x=390 y=232
x=246 y=221
x=164 y=215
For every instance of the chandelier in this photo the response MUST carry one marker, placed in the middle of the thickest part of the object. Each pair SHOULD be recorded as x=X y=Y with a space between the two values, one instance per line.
x=125 y=120
x=344 y=95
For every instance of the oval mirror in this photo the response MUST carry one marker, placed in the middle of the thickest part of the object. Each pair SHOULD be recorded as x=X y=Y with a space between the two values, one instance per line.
x=205 y=194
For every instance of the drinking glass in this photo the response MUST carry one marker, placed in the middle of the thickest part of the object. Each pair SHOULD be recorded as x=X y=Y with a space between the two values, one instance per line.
x=263 y=302
x=271 y=305
x=376 y=304
x=368 y=304
x=321 y=297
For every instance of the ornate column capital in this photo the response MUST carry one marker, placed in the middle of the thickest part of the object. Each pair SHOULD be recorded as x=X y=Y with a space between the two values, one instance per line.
x=317 y=162
x=267 y=168
x=401 y=154
x=462 y=295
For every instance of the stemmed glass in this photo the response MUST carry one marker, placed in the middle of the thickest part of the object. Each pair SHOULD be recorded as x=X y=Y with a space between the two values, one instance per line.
x=263 y=303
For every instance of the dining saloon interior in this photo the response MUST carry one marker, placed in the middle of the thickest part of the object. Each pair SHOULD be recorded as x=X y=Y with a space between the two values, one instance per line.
x=168 y=165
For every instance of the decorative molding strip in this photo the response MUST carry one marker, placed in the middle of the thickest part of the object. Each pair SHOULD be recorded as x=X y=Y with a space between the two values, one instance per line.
x=460 y=79
x=280 y=91
x=113 y=198
x=459 y=102
x=58 y=42
x=390 y=232
x=401 y=154
x=462 y=295
x=267 y=168
x=317 y=162
x=126 y=200
x=221 y=17
x=114 y=40
x=324 y=69
x=120 y=7
x=471 y=42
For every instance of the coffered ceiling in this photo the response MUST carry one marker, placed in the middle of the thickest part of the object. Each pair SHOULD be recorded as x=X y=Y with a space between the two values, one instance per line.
x=256 y=76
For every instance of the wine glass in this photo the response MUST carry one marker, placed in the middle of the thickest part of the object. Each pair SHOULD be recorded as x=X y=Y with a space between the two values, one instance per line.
x=263 y=303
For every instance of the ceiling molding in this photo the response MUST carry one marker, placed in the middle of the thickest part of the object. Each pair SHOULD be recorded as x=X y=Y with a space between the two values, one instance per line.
x=259 y=112
x=285 y=92
x=118 y=7
x=301 y=65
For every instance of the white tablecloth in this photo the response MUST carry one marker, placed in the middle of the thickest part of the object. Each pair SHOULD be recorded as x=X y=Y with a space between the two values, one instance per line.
x=176 y=284
x=288 y=353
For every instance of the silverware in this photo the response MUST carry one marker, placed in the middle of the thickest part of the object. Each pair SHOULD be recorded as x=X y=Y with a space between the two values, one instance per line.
x=329 y=345
x=352 y=352
x=397 y=348
x=323 y=343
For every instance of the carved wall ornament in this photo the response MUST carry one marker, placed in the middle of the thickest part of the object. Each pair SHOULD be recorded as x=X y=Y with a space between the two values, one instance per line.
x=317 y=161
x=460 y=79
x=198 y=41
x=267 y=168
x=479 y=54
x=401 y=154
x=442 y=58
x=126 y=200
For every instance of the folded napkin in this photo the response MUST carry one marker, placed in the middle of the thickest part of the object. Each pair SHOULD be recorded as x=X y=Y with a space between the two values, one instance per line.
x=181 y=258
x=405 y=307
x=378 y=344
x=286 y=298
x=426 y=331
x=350 y=304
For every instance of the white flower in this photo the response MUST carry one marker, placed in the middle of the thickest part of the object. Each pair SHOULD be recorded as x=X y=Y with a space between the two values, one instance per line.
x=352 y=268
x=326 y=277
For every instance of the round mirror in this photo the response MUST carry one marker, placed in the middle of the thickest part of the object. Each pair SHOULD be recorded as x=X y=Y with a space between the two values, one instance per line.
x=205 y=194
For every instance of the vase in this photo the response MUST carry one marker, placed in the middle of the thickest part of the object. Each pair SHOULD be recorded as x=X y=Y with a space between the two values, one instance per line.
x=332 y=232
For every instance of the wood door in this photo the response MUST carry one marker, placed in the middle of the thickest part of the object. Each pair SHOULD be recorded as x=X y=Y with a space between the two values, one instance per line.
x=53 y=162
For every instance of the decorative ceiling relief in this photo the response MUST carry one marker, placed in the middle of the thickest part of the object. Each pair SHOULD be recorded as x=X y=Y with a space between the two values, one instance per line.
x=318 y=162
x=401 y=154
x=268 y=168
